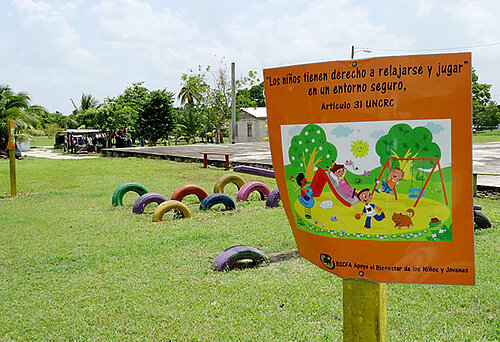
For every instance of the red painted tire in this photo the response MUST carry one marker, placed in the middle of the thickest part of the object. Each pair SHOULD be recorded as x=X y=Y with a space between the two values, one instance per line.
x=145 y=199
x=189 y=189
x=250 y=187
x=273 y=198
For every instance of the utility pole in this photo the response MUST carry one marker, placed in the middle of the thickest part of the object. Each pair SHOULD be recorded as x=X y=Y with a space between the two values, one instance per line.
x=233 y=100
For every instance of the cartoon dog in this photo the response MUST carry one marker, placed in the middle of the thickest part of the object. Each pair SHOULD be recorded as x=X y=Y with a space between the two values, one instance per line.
x=403 y=220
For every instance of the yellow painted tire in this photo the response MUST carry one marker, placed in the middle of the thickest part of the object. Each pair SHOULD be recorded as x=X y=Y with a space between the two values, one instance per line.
x=163 y=207
x=226 y=179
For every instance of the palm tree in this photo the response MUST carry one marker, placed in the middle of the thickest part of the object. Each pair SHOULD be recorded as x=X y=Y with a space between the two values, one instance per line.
x=87 y=101
x=17 y=107
x=193 y=88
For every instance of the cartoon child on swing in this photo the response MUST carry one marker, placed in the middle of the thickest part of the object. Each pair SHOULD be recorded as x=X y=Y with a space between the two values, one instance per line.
x=388 y=186
x=370 y=210
x=306 y=193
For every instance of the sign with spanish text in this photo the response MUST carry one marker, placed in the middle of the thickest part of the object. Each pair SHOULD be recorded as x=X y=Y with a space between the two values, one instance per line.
x=11 y=144
x=373 y=159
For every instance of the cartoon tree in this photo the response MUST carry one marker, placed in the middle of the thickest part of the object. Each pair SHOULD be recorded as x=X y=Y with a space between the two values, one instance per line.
x=404 y=142
x=310 y=149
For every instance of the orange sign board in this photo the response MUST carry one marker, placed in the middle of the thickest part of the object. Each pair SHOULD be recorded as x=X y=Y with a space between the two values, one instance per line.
x=12 y=140
x=373 y=159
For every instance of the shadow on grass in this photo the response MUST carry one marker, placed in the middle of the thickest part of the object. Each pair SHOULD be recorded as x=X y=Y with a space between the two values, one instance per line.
x=284 y=256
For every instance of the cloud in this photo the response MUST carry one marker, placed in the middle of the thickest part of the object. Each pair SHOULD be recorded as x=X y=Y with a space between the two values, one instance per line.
x=434 y=128
x=377 y=134
x=341 y=131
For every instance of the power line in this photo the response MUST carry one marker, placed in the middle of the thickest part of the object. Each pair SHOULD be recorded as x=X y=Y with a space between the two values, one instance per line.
x=419 y=50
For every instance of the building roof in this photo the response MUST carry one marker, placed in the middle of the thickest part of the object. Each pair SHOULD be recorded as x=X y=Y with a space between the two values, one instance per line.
x=257 y=112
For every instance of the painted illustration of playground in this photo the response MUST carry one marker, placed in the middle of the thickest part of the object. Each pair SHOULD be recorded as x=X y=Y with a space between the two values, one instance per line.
x=383 y=180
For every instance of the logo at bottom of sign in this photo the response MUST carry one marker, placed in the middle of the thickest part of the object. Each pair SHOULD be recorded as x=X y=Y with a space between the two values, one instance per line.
x=327 y=261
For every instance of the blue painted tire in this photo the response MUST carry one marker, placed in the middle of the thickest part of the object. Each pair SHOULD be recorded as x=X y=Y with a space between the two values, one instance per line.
x=481 y=221
x=214 y=199
x=273 y=199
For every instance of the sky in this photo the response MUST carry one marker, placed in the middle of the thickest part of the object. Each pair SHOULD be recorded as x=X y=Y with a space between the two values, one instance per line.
x=57 y=50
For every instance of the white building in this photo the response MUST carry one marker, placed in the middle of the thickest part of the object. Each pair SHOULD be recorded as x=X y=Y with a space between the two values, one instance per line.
x=252 y=125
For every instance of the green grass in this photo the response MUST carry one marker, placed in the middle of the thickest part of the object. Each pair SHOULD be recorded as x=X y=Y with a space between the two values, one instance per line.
x=42 y=140
x=486 y=136
x=72 y=267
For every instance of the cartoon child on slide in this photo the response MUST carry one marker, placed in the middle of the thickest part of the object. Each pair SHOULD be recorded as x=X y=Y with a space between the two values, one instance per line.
x=391 y=181
x=306 y=193
x=338 y=171
x=365 y=196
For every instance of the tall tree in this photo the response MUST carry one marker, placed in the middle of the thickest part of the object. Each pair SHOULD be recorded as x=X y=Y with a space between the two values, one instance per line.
x=193 y=86
x=87 y=101
x=155 y=118
x=485 y=112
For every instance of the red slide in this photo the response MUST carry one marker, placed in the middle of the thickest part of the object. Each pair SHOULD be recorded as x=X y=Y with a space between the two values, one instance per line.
x=318 y=184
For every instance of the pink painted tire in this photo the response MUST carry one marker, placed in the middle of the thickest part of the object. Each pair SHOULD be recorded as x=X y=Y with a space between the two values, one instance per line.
x=250 y=187
x=189 y=189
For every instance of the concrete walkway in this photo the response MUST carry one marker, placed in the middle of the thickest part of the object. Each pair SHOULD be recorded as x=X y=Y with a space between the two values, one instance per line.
x=486 y=156
x=49 y=153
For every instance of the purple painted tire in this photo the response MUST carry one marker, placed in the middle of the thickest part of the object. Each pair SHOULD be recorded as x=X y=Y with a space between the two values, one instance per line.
x=145 y=199
x=250 y=187
x=227 y=259
x=273 y=199
x=254 y=171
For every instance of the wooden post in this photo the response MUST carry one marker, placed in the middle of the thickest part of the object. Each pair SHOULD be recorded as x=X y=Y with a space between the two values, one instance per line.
x=11 y=146
x=365 y=311
x=12 y=163
x=474 y=184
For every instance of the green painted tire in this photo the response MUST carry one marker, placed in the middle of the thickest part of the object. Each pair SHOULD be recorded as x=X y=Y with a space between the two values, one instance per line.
x=117 y=199
x=163 y=207
x=226 y=179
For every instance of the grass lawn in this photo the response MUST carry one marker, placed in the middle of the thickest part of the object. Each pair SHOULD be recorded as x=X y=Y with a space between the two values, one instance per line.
x=486 y=136
x=42 y=140
x=72 y=267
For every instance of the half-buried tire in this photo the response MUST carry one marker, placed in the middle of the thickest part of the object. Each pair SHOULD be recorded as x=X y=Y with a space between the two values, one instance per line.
x=250 y=187
x=273 y=199
x=166 y=206
x=189 y=189
x=214 y=199
x=117 y=199
x=226 y=179
x=231 y=257
x=145 y=199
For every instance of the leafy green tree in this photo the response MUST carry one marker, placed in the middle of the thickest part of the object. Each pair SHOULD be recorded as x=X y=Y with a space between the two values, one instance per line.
x=402 y=141
x=485 y=112
x=155 y=118
x=17 y=107
x=251 y=97
x=190 y=122
x=310 y=149
x=109 y=117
